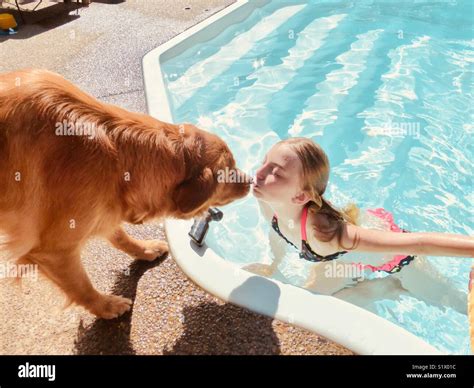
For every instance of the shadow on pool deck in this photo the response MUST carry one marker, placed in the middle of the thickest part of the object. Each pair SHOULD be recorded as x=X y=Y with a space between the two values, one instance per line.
x=226 y=331
x=50 y=15
x=209 y=328
x=114 y=335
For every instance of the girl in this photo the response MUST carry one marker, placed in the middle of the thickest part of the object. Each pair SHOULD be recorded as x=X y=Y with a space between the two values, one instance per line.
x=290 y=188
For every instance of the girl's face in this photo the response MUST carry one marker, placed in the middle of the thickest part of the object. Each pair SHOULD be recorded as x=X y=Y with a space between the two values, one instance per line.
x=278 y=180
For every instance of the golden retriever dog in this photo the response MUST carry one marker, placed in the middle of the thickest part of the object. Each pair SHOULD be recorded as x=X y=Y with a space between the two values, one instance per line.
x=72 y=167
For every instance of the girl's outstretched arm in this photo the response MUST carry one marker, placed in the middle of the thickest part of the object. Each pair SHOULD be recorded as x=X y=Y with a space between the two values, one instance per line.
x=430 y=244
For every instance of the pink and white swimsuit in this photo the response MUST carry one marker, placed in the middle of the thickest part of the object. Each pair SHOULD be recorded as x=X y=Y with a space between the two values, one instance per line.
x=306 y=253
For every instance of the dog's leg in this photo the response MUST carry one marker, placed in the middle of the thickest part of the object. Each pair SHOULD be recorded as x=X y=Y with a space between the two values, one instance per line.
x=139 y=249
x=66 y=270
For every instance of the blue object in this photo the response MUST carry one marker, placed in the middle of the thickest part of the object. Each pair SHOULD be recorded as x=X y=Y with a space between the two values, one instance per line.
x=10 y=31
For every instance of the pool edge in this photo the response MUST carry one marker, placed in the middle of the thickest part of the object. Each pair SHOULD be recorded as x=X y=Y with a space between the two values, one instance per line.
x=367 y=333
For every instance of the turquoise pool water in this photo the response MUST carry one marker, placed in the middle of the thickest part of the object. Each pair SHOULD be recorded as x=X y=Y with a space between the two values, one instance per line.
x=384 y=87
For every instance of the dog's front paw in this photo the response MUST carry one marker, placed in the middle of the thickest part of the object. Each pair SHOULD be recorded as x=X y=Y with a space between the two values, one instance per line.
x=152 y=249
x=110 y=306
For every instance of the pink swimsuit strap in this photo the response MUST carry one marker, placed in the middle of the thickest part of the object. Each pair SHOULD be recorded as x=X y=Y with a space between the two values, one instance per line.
x=304 y=216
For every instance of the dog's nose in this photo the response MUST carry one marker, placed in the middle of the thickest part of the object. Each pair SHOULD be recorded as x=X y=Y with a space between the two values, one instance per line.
x=244 y=178
x=248 y=183
x=245 y=182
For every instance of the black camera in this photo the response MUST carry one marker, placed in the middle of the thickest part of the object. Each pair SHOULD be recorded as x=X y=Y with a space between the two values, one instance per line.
x=201 y=225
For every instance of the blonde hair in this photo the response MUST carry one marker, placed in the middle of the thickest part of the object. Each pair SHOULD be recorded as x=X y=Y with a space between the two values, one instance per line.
x=315 y=178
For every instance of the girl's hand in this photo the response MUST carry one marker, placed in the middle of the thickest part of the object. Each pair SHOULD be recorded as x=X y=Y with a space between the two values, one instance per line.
x=260 y=269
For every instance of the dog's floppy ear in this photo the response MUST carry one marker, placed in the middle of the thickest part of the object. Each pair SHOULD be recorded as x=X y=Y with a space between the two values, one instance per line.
x=193 y=192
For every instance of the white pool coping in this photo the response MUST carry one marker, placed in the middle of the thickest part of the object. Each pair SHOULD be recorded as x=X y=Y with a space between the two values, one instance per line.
x=357 y=329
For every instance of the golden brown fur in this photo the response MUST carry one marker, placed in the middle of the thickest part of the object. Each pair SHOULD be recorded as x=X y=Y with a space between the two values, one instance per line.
x=58 y=191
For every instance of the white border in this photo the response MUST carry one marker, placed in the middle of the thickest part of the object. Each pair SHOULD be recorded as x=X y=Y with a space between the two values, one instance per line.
x=351 y=326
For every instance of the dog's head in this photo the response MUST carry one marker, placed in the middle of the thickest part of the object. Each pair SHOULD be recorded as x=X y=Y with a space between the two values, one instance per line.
x=211 y=175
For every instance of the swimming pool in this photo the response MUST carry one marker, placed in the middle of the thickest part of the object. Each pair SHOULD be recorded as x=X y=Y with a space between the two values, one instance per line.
x=384 y=87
